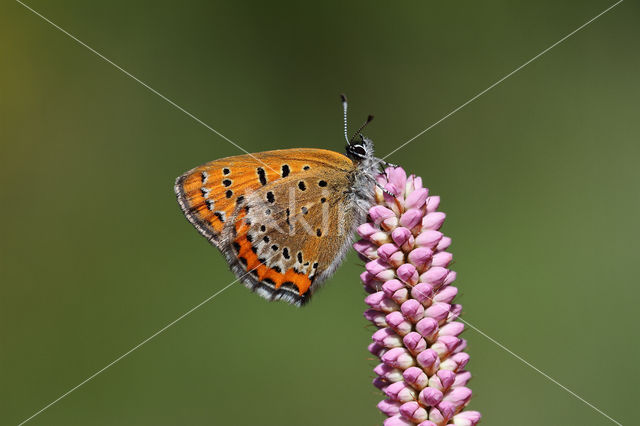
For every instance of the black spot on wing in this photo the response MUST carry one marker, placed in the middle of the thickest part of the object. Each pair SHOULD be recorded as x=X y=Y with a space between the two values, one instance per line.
x=262 y=175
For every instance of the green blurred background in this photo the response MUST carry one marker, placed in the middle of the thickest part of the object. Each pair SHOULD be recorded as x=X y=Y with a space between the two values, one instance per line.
x=539 y=178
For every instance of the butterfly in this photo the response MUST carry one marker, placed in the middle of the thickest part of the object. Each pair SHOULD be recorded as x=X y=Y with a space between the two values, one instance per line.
x=283 y=219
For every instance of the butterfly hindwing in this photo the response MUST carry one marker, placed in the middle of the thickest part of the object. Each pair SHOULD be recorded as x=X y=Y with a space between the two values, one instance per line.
x=285 y=224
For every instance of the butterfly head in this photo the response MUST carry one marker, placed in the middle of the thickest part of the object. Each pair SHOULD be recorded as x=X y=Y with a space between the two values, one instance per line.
x=359 y=148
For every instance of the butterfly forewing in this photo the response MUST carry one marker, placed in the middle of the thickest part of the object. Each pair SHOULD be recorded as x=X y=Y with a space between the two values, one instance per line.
x=278 y=216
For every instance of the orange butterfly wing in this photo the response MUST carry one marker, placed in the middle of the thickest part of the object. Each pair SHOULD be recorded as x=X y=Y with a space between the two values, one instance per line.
x=216 y=198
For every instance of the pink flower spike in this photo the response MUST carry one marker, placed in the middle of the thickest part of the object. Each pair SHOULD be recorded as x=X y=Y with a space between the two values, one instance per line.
x=412 y=304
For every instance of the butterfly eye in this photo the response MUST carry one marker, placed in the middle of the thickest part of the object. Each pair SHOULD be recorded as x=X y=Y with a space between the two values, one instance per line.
x=359 y=149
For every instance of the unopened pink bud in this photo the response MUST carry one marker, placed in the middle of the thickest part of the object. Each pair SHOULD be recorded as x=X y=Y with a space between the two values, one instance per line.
x=414 y=342
x=445 y=295
x=451 y=329
x=415 y=377
x=376 y=317
x=442 y=258
x=433 y=220
x=389 y=407
x=420 y=257
x=399 y=391
x=397 y=420
x=423 y=292
x=432 y=203
x=447 y=409
x=458 y=396
x=387 y=338
x=412 y=310
x=467 y=418
x=408 y=274
x=444 y=243
x=398 y=358
x=398 y=322
x=391 y=287
x=380 y=213
x=437 y=311
x=381 y=302
x=446 y=344
x=416 y=199
x=434 y=276
x=402 y=237
x=430 y=396
x=411 y=218
x=376 y=266
x=380 y=238
x=461 y=379
x=365 y=249
x=427 y=326
x=366 y=230
x=428 y=238
x=413 y=411
x=436 y=416
x=461 y=359
x=397 y=176
x=451 y=277
x=428 y=359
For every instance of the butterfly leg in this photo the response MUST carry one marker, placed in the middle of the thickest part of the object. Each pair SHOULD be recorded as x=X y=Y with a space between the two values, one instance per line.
x=384 y=190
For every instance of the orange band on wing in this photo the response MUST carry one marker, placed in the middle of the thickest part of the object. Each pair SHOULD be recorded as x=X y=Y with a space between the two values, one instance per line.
x=245 y=251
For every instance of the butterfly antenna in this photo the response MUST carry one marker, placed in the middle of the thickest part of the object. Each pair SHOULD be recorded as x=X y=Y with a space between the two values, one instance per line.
x=343 y=98
x=369 y=119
